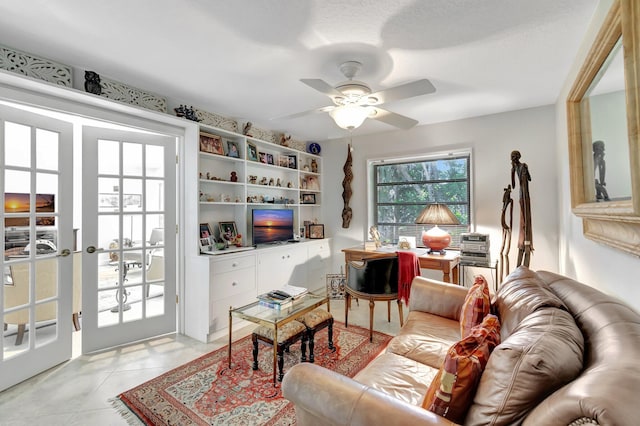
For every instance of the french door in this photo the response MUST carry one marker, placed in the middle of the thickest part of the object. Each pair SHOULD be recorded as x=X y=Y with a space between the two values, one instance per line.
x=37 y=190
x=129 y=237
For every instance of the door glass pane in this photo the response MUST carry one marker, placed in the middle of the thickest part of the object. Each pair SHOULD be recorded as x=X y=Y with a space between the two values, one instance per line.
x=17 y=323
x=46 y=284
x=155 y=283
x=17 y=146
x=108 y=157
x=132 y=159
x=132 y=231
x=46 y=149
x=108 y=233
x=155 y=195
x=46 y=323
x=133 y=310
x=155 y=161
x=108 y=194
x=107 y=301
x=132 y=195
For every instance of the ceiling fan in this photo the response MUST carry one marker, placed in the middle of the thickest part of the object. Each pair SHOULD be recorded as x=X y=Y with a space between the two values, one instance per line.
x=353 y=101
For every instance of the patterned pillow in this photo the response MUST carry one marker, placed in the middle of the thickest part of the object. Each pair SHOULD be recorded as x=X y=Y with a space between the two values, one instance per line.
x=451 y=393
x=476 y=305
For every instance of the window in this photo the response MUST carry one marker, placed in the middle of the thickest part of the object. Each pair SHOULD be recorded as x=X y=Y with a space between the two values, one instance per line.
x=402 y=189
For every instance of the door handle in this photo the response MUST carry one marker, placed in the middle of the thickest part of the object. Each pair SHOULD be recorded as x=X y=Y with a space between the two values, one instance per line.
x=64 y=253
x=92 y=249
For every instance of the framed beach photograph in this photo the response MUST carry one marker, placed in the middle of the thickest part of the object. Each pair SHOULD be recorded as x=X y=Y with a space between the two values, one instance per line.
x=316 y=231
x=228 y=230
x=252 y=152
x=211 y=144
x=232 y=149
x=308 y=198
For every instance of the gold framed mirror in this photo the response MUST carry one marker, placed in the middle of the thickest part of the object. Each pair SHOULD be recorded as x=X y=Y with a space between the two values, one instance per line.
x=603 y=121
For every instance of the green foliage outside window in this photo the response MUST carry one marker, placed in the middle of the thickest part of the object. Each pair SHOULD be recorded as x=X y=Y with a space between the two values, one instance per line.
x=402 y=190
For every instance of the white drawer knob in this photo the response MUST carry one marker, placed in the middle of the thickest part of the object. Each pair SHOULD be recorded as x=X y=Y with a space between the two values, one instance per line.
x=233 y=265
x=233 y=284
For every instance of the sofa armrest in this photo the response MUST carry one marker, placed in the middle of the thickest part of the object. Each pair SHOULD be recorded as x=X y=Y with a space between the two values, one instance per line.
x=323 y=397
x=437 y=297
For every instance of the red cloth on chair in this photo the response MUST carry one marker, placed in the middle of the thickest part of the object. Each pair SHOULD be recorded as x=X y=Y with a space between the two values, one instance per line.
x=408 y=268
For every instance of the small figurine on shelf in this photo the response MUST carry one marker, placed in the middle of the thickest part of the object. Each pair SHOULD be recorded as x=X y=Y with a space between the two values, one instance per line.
x=289 y=185
x=271 y=182
x=246 y=130
x=278 y=183
x=285 y=140
x=314 y=165
x=253 y=179
x=263 y=181
x=209 y=175
x=238 y=240
x=234 y=177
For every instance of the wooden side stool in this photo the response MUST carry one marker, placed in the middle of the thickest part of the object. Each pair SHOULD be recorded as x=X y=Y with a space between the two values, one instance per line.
x=287 y=335
x=314 y=321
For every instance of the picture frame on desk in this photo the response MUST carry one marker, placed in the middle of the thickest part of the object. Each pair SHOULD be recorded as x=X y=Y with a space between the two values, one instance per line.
x=205 y=230
x=308 y=198
x=228 y=230
x=316 y=231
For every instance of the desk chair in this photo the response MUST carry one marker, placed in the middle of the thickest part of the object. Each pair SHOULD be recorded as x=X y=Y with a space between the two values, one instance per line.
x=373 y=280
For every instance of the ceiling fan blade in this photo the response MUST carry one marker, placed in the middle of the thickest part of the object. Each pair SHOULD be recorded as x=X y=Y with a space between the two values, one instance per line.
x=300 y=114
x=394 y=119
x=408 y=90
x=321 y=86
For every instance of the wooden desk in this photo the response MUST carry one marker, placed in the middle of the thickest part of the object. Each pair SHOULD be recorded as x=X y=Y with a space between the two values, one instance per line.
x=447 y=263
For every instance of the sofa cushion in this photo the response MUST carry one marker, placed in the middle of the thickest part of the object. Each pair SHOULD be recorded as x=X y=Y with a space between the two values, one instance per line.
x=400 y=377
x=476 y=305
x=451 y=392
x=544 y=352
x=522 y=293
x=425 y=338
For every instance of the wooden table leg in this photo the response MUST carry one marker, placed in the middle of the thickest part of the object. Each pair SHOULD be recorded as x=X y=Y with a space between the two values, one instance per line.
x=445 y=275
x=275 y=355
x=372 y=304
x=456 y=275
x=229 y=350
x=400 y=312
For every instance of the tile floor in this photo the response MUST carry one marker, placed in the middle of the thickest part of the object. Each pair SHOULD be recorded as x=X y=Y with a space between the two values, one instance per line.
x=77 y=392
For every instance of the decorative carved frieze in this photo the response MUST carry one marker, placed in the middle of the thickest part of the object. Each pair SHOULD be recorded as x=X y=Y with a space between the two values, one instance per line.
x=35 y=67
x=216 y=120
x=124 y=93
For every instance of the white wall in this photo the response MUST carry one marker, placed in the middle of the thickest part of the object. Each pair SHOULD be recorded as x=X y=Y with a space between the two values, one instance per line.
x=609 y=270
x=491 y=138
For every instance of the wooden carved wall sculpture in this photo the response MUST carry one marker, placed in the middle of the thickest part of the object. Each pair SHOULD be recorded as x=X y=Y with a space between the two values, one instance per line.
x=347 y=213
x=525 y=234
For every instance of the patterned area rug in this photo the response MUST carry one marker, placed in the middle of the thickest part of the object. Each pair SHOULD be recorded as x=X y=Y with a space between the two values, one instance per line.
x=206 y=392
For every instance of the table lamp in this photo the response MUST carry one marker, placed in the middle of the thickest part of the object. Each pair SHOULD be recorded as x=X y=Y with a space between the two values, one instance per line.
x=435 y=238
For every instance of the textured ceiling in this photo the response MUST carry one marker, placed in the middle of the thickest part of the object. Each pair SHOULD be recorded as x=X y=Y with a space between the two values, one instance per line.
x=244 y=58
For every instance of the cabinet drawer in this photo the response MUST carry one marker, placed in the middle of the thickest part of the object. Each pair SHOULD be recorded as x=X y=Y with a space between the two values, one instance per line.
x=235 y=282
x=219 y=313
x=235 y=263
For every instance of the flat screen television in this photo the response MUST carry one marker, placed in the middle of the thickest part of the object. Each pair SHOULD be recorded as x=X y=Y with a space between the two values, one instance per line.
x=20 y=203
x=272 y=225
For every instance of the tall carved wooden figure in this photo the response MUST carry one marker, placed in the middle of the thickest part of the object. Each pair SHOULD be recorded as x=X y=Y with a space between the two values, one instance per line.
x=507 y=226
x=525 y=235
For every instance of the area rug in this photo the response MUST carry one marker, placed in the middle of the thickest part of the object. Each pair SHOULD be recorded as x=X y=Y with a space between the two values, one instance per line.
x=206 y=391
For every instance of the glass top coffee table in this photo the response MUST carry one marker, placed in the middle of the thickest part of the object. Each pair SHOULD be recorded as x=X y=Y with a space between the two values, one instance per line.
x=274 y=318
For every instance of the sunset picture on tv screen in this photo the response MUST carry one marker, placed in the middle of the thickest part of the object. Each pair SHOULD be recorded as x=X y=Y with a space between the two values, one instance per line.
x=272 y=225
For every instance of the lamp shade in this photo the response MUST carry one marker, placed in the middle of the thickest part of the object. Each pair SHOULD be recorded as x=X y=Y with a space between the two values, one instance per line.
x=349 y=116
x=435 y=238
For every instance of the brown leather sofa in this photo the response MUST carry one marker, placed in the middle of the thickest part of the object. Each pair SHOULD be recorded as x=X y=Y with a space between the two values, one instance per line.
x=569 y=355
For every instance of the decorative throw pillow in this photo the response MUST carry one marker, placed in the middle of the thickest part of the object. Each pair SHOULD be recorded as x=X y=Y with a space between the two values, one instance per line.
x=476 y=306
x=451 y=393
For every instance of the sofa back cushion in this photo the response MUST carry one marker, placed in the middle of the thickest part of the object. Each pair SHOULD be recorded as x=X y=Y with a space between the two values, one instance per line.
x=476 y=305
x=451 y=391
x=543 y=353
x=522 y=293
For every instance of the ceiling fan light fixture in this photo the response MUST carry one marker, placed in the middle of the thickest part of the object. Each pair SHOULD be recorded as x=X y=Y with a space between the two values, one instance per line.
x=349 y=117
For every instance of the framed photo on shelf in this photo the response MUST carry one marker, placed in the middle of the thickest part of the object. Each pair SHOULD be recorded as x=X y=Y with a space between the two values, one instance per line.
x=269 y=158
x=252 y=152
x=316 y=231
x=205 y=244
x=263 y=157
x=228 y=230
x=312 y=183
x=308 y=198
x=293 y=162
x=211 y=144
x=205 y=230
x=283 y=161
x=232 y=149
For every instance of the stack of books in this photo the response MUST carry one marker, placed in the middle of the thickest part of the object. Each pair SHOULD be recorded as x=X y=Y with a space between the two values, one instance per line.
x=283 y=298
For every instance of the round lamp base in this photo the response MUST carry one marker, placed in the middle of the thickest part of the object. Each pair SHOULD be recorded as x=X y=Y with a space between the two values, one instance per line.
x=436 y=239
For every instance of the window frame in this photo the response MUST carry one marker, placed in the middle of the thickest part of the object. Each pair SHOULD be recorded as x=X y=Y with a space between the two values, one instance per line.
x=372 y=199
